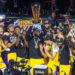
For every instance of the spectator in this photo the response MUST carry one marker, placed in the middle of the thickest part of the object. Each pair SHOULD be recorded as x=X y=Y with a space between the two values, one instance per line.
x=53 y=19
x=46 y=28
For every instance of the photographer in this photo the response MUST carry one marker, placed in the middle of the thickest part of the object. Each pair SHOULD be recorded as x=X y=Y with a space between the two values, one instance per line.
x=11 y=70
x=21 y=45
x=67 y=24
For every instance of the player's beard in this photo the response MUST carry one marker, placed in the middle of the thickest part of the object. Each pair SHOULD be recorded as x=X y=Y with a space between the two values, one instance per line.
x=47 y=28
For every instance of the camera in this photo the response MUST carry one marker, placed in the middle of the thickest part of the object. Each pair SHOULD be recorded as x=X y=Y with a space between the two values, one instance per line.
x=10 y=70
x=24 y=70
x=15 y=71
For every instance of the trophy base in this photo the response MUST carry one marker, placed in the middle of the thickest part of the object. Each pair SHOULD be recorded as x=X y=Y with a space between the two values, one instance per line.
x=36 y=21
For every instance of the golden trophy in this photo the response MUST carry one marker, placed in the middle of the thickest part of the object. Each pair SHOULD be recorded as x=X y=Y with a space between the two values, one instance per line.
x=35 y=12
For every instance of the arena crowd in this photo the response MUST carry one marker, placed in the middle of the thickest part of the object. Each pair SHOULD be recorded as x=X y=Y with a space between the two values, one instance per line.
x=51 y=43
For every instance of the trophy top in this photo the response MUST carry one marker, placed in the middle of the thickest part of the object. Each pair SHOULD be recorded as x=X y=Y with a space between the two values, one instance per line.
x=35 y=4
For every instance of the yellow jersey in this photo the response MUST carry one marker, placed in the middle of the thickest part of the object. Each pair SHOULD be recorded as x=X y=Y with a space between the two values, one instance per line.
x=2 y=64
x=56 y=59
x=0 y=48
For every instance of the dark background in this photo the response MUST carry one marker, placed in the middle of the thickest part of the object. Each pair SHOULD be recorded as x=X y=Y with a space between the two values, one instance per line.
x=24 y=6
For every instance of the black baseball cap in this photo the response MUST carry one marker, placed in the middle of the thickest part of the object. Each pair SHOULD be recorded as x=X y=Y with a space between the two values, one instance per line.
x=48 y=37
x=60 y=40
x=46 y=22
